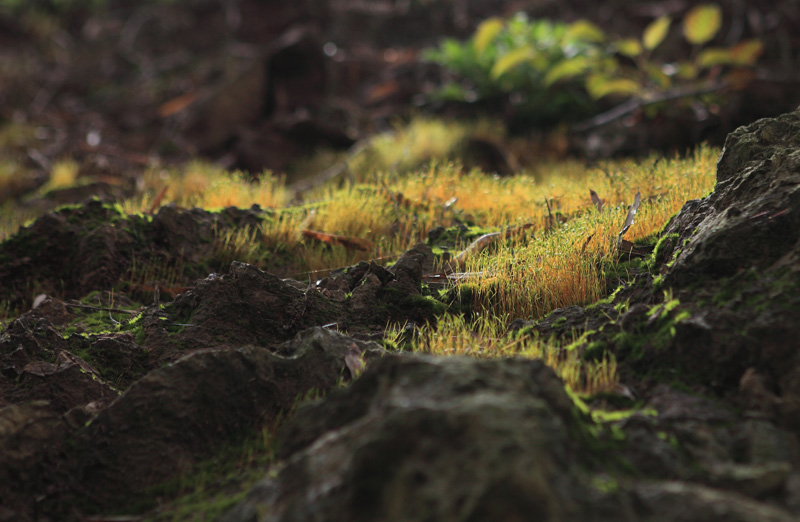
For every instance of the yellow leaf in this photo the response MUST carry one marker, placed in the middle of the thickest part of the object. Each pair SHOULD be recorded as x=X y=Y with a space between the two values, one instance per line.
x=702 y=23
x=599 y=86
x=655 y=33
x=566 y=69
x=747 y=52
x=714 y=56
x=486 y=33
x=629 y=47
x=510 y=60
x=585 y=30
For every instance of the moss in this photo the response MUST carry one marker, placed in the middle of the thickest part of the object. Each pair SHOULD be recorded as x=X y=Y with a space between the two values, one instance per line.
x=211 y=486
x=602 y=416
x=661 y=249
x=461 y=299
x=400 y=304
x=655 y=332
x=457 y=236
x=605 y=483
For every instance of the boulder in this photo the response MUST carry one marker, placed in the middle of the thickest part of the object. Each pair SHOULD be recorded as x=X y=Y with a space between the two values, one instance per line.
x=182 y=412
x=423 y=438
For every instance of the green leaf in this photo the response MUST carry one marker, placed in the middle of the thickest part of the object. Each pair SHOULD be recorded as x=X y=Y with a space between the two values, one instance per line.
x=567 y=69
x=714 y=56
x=657 y=76
x=486 y=33
x=599 y=86
x=629 y=47
x=686 y=71
x=655 y=33
x=510 y=60
x=747 y=52
x=702 y=23
x=586 y=31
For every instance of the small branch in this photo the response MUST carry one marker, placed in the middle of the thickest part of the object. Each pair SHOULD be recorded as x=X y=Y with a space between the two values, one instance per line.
x=632 y=105
x=102 y=309
x=336 y=169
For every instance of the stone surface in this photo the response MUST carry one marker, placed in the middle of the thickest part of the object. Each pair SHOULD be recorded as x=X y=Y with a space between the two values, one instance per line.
x=420 y=438
x=167 y=420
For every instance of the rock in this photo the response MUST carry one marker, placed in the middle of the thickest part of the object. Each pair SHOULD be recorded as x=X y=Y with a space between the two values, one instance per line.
x=104 y=252
x=29 y=338
x=53 y=310
x=574 y=319
x=116 y=357
x=32 y=437
x=747 y=221
x=409 y=269
x=182 y=412
x=751 y=480
x=73 y=251
x=680 y=501
x=421 y=438
x=245 y=306
x=64 y=385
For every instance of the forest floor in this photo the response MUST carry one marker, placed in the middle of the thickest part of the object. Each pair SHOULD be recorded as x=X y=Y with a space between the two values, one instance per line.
x=227 y=264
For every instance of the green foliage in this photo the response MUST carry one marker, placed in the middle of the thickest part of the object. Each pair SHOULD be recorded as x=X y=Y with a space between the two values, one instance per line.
x=553 y=71
x=523 y=57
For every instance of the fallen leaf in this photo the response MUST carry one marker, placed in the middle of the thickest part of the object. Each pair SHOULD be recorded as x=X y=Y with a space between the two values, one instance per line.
x=177 y=104
x=353 y=243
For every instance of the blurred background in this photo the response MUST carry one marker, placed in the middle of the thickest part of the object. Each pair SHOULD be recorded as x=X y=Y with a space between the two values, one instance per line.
x=116 y=87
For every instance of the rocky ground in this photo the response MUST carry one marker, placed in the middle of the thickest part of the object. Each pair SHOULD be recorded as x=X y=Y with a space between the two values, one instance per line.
x=101 y=398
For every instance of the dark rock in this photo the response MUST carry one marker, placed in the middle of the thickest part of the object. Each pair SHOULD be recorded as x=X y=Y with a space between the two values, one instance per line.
x=65 y=385
x=657 y=501
x=105 y=254
x=54 y=311
x=32 y=438
x=29 y=338
x=750 y=219
x=409 y=269
x=177 y=414
x=116 y=357
x=574 y=319
x=674 y=405
x=73 y=251
x=519 y=324
x=419 y=438
x=245 y=306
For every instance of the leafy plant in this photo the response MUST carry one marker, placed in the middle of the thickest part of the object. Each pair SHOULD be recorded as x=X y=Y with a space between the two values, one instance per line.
x=552 y=71
x=515 y=57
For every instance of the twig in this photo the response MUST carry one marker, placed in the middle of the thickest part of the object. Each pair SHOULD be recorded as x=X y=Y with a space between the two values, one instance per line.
x=159 y=197
x=102 y=309
x=331 y=172
x=636 y=103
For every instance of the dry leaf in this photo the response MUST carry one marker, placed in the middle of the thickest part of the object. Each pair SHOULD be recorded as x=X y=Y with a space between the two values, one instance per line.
x=177 y=104
x=353 y=243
